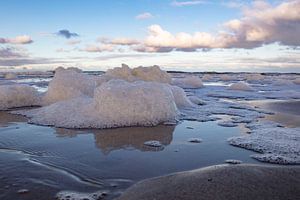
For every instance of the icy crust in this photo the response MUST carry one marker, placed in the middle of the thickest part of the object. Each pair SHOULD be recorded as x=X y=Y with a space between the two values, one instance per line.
x=116 y=103
x=188 y=82
x=12 y=96
x=153 y=73
x=274 y=143
x=240 y=86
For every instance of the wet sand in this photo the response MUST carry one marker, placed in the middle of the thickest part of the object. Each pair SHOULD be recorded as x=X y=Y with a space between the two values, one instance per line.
x=221 y=182
x=286 y=113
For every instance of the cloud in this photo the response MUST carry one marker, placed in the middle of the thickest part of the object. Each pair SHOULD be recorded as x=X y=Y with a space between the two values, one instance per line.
x=99 y=48
x=73 y=42
x=12 y=52
x=22 y=39
x=66 y=34
x=119 y=41
x=145 y=15
x=187 y=3
x=260 y=24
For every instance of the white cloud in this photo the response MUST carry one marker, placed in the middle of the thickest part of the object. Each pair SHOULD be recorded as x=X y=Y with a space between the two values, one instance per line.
x=73 y=42
x=187 y=3
x=97 y=48
x=145 y=15
x=120 y=41
x=22 y=39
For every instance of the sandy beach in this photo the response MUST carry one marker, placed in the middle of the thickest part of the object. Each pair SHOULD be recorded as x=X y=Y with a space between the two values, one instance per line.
x=221 y=182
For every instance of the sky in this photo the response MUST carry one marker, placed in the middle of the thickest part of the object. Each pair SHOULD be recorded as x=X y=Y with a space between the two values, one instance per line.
x=186 y=35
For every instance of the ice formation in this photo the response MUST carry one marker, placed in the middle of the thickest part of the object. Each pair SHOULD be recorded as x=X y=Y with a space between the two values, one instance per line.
x=10 y=76
x=240 y=86
x=115 y=103
x=188 y=82
x=275 y=144
x=12 y=96
x=153 y=73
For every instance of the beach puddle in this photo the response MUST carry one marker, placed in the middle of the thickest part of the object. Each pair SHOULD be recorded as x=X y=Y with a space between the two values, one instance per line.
x=45 y=160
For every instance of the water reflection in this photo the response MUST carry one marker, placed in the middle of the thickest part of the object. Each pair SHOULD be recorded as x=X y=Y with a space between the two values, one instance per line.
x=108 y=140
x=7 y=119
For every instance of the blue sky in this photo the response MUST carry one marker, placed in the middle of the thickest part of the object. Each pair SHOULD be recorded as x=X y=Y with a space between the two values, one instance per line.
x=156 y=30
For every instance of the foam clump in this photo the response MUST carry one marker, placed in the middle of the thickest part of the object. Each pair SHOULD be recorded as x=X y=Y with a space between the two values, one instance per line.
x=17 y=95
x=297 y=81
x=188 y=82
x=69 y=83
x=240 y=86
x=10 y=76
x=153 y=73
x=226 y=77
x=181 y=100
x=275 y=144
x=206 y=77
x=255 y=77
x=116 y=103
x=196 y=100
x=69 y=195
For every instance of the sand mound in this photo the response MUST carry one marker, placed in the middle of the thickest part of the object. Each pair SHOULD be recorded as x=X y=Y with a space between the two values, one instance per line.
x=221 y=182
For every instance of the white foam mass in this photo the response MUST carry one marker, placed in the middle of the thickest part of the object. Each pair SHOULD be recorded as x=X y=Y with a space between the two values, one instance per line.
x=297 y=81
x=188 y=82
x=10 y=76
x=207 y=77
x=69 y=83
x=116 y=103
x=181 y=100
x=275 y=144
x=226 y=77
x=255 y=77
x=17 y=95
x=153 y=73
x=240 y=86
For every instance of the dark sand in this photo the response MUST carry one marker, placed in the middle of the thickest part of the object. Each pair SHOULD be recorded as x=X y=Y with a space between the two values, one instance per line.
x=221 y=182
x=286 y=113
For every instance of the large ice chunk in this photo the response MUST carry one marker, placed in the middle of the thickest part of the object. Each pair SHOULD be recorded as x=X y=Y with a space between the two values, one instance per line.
x=116 y=103
x=17 y=95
